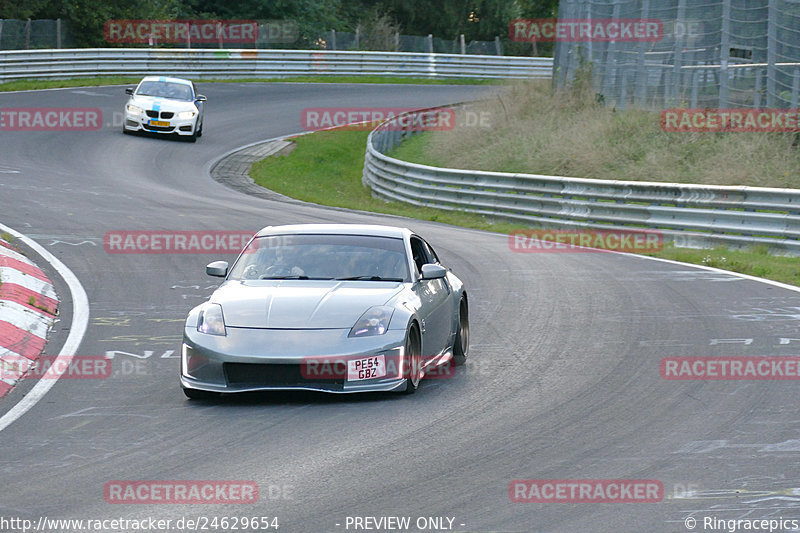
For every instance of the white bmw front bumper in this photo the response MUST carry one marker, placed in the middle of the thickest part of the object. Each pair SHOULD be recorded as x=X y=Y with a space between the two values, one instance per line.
x=165 y=122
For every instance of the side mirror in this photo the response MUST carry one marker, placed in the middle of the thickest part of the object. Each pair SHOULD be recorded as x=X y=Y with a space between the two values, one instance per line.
x=218 y=269
x=431 y=271
x=129 y=90
x=200 y=98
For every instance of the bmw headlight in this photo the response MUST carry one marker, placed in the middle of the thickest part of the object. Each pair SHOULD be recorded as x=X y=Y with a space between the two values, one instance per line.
x=374 y=321
x=210 y=320
x=134 y=109
x=185 y=115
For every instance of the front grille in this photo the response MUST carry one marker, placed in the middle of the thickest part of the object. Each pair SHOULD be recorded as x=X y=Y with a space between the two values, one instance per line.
x=164 y=114
x=257 y=375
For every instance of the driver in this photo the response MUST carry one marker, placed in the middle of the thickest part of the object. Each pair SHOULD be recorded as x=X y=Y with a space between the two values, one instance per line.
x=283 y=264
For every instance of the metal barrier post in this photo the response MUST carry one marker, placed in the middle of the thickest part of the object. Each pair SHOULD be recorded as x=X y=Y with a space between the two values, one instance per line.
x=757 y=98
x=724 y=53
x=772 y=51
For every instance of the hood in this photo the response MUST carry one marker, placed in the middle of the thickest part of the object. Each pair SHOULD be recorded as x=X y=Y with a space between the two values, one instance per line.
x=300 y=304
x=163 y=104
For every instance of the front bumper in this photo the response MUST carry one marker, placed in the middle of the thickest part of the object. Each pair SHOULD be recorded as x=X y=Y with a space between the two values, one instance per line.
x=174 y=125
x=269 y=359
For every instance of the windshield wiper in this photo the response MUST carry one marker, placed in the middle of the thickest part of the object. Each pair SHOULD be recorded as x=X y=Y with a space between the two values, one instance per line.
x=289 y=277
x=369 y=278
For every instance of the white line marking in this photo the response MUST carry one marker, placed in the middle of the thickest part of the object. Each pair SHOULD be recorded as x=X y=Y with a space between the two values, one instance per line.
x=80 y=320
x=70 y=88
x=90 y=93
x=71 y=243
x=718 y=270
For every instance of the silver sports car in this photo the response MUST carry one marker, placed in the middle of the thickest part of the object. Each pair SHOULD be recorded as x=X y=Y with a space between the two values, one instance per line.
x=335 y=308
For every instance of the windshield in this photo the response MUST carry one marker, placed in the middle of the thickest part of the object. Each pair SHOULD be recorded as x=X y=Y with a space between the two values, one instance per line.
x=165 y=89
x=343 y=257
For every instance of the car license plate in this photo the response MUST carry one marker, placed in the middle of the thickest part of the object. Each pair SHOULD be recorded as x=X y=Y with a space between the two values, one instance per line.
x=161 y=123
x=366 y=368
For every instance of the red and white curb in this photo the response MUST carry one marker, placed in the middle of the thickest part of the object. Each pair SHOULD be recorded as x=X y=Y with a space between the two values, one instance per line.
x=28 y=305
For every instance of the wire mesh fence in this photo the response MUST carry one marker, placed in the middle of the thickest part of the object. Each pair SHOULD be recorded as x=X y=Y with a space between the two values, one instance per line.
x=706 y=53
x=34 y=34
x=396 y=42
x=271 y=34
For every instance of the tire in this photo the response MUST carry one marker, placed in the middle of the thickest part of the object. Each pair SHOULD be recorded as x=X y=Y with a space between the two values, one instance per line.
x=461 y=342
x=197 y=394
x=126 y=131
x=413 y=353
x=200 y=130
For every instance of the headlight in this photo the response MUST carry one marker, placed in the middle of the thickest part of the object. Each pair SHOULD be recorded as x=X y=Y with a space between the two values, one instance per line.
x=211 y=321
x=185 y=115
x=134 y=109
x=374 y=321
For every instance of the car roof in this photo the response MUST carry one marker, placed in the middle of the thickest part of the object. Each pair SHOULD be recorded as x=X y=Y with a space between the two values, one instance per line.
x=166 y=79
x=336 y=229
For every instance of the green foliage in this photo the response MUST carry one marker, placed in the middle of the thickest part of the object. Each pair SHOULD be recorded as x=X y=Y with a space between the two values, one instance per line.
x=447 y=19
x=326 y=167
x=14 y=9
x=377 y=31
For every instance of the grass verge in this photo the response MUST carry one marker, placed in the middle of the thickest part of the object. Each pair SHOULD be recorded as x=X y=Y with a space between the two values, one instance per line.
x=29 y=85
x=325 y=168
x=754 y=261
x=534 y=130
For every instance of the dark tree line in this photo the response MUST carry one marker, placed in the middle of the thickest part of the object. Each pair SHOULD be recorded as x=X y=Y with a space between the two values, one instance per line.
x=476 y=19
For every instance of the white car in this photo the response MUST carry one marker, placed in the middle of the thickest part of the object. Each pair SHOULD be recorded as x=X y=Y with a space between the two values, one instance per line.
x=164 y=105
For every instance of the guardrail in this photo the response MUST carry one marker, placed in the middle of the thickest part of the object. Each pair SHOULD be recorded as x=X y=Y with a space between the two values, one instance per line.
x=216 y=63
x=690 y=215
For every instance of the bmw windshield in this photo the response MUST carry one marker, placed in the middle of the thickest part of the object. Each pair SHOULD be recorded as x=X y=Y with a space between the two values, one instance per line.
x=165 y=89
